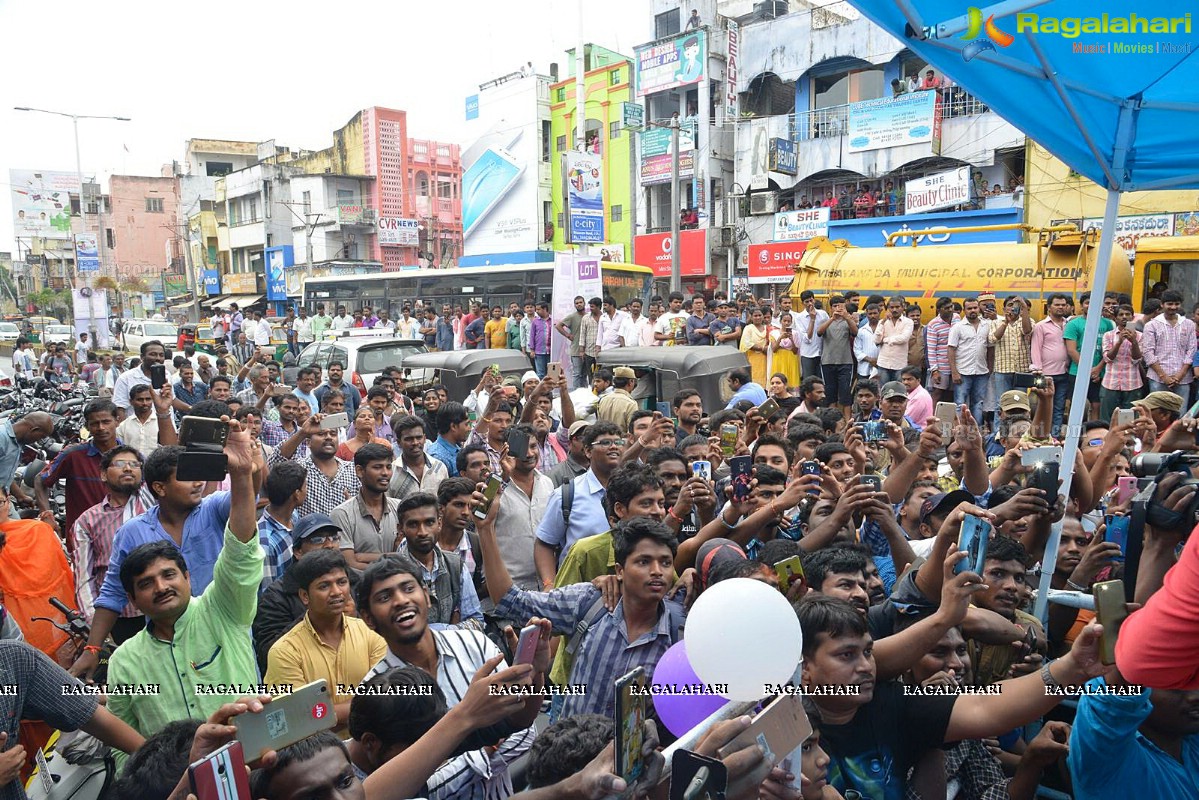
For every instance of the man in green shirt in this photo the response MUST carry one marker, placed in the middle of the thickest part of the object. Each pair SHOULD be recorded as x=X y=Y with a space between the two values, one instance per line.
x=1073 y=333
x=320 y=323
x=195 y=654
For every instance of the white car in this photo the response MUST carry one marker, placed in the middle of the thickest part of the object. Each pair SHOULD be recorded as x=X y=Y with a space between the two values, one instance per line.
x=140 y=331
x=365 y=355
x=58 y=334
x=9 y=332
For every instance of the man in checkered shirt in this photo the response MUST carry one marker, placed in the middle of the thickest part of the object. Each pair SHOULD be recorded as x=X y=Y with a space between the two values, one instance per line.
x=331 y=481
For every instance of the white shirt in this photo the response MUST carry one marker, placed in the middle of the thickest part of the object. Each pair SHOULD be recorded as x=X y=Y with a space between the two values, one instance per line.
x=385 y=325
x=813 y=347
x=674 y=325
x=120 y=391
x=611 y=330
x=23 y=361
x=341 y=323
x=144 y=436
x=262 y=333
x=863 y=348
x=408 y=328
x=81 y=349
x=971 y=347
x=638 y=332
x=303 y=329
x=106 y=377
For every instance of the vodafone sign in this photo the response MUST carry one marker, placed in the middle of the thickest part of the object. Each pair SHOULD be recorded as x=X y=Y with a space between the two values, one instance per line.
x=653 y=250
x=774 y=262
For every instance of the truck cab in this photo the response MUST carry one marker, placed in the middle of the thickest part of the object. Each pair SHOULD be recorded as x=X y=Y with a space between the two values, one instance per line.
x=1169 y=260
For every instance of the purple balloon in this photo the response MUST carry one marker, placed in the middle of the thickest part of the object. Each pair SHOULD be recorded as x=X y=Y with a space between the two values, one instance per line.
x=681 y=712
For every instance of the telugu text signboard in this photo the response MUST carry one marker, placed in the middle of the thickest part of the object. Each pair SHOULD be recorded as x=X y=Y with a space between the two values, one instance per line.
x=398 y=232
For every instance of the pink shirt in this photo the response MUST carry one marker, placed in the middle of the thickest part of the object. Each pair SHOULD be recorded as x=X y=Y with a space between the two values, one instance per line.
x=893 y=336
x=920 y=405
x=1049 y=355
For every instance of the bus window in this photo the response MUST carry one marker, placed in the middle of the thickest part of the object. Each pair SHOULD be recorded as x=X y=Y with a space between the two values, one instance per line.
x=1181 y=276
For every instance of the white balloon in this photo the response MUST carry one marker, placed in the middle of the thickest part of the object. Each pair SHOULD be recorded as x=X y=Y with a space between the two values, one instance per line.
x=744 y=634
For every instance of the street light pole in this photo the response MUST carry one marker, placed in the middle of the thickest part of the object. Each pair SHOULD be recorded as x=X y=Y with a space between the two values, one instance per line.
x=676 y=278
x=91 y=318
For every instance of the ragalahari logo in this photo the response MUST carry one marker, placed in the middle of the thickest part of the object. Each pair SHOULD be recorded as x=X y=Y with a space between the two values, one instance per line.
x=976 y=26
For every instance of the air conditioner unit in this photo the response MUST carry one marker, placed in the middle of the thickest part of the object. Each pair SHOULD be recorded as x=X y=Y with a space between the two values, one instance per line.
x=763 y=203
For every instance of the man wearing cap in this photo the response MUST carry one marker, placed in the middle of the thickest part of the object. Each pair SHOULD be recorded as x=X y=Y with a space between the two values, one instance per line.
x=1164 y=408
x=576 y=462
x=618 y=406
x=726 y=328
x=894 y=406
x=1012 y=403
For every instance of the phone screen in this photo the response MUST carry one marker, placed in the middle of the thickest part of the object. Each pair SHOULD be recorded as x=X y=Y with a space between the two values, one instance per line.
x=741 y=469
x=489 y=493
x=630 y=725
x=158 y=376
x=973 y=539
x=485 y=183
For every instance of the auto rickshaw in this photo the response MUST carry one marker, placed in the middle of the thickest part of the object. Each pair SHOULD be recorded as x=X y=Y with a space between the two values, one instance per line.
x=187 y=336
x=460 y=370
x=669 y=369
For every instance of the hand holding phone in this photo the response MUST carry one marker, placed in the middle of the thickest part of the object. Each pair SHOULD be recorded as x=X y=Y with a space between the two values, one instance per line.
x=526 y=645
x=334 y=421
x=489 y=493
x=158 y=376
x=287 y=719
x=702 y=469
x=1110 y=612
x=630 y=725
x=221 y=775
x=741 y=473
x=973 y=538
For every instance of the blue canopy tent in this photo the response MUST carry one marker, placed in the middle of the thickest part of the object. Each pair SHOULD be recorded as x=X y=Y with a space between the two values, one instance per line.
x=1108 y=90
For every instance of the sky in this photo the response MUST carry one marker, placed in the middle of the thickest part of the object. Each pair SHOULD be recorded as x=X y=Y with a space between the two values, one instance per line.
x=254 y=70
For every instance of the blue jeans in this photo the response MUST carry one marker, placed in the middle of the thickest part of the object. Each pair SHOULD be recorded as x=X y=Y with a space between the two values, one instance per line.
x=1063 y=387
x=581 y=379
x=541 y=362
x=971 y=392
x=1004 y=382
x=1183 y=390
x=887 y=375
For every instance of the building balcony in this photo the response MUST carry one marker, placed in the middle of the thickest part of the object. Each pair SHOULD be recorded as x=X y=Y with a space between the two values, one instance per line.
x=834 y=120
x=247 y=234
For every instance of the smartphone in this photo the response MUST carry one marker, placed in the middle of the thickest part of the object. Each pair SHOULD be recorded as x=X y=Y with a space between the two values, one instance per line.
x=789 y=570
x=1024 y=380
x=1126 y=489
x=489 y=493
x=687 y=782
x=331 y=421
x=873 y=481
x=702 y=469
x=630 y=725
x=1125 y=416
x=221 y=775
x=1041 y=455
x=158 y=376
x=873 y=431
x=1046 y=463
x=1111 y=613
x=779 y=729
x=518 y=443
x=554 y=371
x=948 y=414
x=1116 y=530
x=741 y=473
x=811 y=467
x=768 y=409
x=665 y=410
x=485 y=183
x=287 y=719
x=472 y=416
x=728 y=439
x=526 y=646
x=195 y=431
x=495 y=370
x=973 y=538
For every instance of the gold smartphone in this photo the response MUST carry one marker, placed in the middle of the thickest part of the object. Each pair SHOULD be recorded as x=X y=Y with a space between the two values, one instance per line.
x=1111 y=612
x=286 y=720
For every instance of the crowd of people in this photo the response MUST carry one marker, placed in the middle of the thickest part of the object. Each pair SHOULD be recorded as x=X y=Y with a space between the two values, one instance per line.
x=396 y=557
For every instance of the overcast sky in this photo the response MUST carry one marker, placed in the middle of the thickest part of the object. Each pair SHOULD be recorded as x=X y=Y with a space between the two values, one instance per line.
x=264 y=69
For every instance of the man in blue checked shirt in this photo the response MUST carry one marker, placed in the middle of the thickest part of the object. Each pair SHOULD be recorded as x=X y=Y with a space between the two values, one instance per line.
x=286 y=489
x=636 y=633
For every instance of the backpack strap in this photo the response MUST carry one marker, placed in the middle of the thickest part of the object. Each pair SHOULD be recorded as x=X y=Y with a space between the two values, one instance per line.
x=568 y=501
x=677 y=618
x=594 y=612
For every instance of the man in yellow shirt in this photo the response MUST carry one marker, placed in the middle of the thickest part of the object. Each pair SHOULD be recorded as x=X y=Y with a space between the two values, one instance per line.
x=327 y=643
x=496 y=329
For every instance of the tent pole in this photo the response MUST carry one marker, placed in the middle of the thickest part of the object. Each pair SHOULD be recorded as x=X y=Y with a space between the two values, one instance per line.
x=1078 y=400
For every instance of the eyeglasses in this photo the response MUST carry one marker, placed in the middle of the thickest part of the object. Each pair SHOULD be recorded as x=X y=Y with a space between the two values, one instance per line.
x=608 y=443
x=318 y=539
x=126 y=464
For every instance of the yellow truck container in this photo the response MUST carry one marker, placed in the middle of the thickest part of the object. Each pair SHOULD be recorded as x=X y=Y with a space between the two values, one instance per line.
x=1170 y=260
x=1061 y=262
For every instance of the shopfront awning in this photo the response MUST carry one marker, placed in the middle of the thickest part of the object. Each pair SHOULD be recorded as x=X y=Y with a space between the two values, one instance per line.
x=242 y=300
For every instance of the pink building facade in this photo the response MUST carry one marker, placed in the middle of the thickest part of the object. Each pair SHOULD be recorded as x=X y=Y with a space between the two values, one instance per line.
x=142 y=233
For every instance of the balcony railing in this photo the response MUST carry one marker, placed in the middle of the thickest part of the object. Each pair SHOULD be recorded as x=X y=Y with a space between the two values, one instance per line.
x=834 y=120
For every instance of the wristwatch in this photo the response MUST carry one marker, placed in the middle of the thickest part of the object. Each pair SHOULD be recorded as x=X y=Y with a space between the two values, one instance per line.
x=1047 y=676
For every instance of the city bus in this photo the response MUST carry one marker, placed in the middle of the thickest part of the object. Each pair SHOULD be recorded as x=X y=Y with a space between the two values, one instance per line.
x=499 y=285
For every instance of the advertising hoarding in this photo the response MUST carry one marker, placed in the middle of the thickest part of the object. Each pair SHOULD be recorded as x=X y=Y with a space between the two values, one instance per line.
x=653 y=250
x=732 y=61
x=398 y=232
x=774 y=262
x=783 y=157
x=87 y=253
x=41 y=202
x=656 y=144
x=801 y=224
x=942 y=190
x=676 y=62
x=583 y=190
x=891 y=122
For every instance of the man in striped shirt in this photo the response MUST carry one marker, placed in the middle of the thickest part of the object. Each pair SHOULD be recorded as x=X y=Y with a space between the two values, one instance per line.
x=936 y=348
x=612 y=643
x=1168 y=345
x=393 y=601
x=121 y=469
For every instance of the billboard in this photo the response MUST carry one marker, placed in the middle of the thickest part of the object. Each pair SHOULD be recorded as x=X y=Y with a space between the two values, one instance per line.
x=279 y=261
x=941 y=190
x=653 y=250
x=774 y=262
x=656 y=148
x=212 y=282
x=500 y=205
x=87 y=253
x=583 y=189
x=783 y=157
x=732 y=60
x=801 y=224
x=676 y=62
x=755 y=144
x=240 y=283
x=397 y=232
x=892 y=122
x=350 y=213
x=573 y=275
x=873 y=231
x=41 y=202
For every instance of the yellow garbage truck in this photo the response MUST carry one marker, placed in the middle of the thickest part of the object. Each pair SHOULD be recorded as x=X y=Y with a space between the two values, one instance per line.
x=1058 y=259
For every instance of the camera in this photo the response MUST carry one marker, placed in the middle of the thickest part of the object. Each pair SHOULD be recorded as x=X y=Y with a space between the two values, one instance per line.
x=1151 y=468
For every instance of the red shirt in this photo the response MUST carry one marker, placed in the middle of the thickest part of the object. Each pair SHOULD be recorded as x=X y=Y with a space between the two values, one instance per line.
x=80 y=465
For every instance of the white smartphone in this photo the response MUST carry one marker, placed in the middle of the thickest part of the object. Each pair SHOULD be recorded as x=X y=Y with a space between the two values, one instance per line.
x=948 y=414
x=526 y=646
x=339 y=420
x=702 y=469
x=485 y=183
x=1125 y=416
x=1041 y=455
